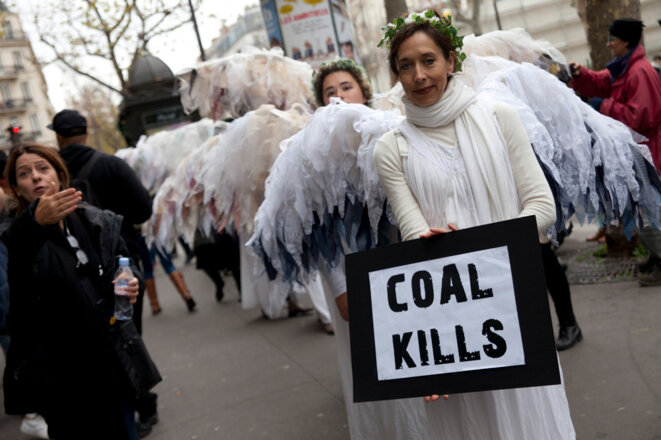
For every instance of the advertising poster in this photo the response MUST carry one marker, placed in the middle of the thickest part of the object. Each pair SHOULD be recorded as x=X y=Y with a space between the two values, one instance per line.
x=270 y=16
x=313 y=31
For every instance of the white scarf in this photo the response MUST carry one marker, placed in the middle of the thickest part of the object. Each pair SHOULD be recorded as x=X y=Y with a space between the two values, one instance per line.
x=480 y=143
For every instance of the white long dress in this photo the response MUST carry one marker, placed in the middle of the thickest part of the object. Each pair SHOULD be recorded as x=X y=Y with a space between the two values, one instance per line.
x=400 y=419
x=439 y=192
x=526 y=413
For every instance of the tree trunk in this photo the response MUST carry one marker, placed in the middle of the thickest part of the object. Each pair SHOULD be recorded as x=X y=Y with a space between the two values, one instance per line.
x=599 y=15
x=395 y=8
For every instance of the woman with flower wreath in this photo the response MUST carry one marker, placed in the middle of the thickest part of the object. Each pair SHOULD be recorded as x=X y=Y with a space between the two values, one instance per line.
x=457 y=162
x=402 y=419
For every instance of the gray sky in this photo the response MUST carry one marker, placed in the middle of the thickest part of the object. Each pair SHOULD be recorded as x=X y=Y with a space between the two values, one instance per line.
x=62 y=83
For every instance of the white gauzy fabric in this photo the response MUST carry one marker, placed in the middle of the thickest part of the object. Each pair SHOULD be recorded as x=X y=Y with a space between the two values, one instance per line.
x=540 y=413
x=234 y=172
x=568 y=136
x=177 y=208
x=400 y=419
x=480 y=143
x=326 y=162
x=257 y=290
x=242 y=82
x=155 y=157
x=512 y=44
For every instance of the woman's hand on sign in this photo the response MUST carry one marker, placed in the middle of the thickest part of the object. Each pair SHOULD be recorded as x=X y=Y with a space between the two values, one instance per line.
x=436 y=231
x=343 y=305
x=435 y=397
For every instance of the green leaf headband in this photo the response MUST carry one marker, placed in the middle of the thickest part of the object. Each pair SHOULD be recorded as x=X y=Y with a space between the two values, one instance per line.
x=443 y=25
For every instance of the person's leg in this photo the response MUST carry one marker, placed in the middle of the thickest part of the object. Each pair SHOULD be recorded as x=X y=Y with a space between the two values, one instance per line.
x=189 y=253
x=147 y=258
x=176 y=277
x=558 y=287
x=218 y=281
x=651 y=271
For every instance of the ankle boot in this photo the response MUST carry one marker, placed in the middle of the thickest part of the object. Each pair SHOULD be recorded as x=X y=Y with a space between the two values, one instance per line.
x=150 y=287
x=568 y=336
x=648 y=265
x=178 y=281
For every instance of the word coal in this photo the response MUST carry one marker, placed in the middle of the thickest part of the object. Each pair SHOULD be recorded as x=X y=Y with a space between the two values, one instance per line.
x=451 y=285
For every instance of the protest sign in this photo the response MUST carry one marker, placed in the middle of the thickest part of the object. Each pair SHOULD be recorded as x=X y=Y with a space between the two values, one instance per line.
x=459 y=312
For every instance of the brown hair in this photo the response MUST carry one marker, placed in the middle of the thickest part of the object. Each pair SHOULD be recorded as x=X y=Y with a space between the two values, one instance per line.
x=442 y=41
x=50 y=154
x=341 y=65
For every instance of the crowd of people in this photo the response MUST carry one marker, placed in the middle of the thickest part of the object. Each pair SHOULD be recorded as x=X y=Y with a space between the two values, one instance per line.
x=442 y=157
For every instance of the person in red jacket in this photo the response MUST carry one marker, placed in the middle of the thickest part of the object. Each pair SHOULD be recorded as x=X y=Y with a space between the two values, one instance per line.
x=629 y=90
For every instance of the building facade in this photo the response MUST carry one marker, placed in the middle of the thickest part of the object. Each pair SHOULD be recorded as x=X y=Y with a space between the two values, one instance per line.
x=556 y=21
x=248 y=30
x=24 y=103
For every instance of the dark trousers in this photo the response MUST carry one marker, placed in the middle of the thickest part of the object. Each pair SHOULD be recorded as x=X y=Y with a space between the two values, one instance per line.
x=558 y=286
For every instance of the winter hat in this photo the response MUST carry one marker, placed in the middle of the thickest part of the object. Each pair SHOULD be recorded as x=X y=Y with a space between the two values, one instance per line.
x=627 y=29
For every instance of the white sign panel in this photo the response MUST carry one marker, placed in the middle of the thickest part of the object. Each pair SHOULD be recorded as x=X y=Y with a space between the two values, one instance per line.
x=446 y=315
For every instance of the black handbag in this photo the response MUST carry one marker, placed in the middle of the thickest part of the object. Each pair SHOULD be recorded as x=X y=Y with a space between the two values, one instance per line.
x=130 y=351
x=134 y=358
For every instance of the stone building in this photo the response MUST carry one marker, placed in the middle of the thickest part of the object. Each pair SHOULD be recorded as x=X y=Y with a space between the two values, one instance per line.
x=24 y=100
x=556 y=21
x=248 y=30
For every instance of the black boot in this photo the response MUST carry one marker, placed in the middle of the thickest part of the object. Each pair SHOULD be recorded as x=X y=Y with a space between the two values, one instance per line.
x=218 y=282
x=648 y=265
x=568 y=336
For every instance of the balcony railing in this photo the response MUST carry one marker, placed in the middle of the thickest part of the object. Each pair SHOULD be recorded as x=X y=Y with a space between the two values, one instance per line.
x=10 y=71
x=13 y=36
x=14 y=105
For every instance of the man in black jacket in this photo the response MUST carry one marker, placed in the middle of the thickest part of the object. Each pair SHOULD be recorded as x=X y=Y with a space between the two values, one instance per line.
x=109 y=183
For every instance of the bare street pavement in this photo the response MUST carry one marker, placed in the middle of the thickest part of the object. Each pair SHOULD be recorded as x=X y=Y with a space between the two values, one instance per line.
x=231 y=374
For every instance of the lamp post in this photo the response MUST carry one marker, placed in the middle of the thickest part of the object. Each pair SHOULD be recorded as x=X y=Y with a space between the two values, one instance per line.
x=197 y=31
x=495 y=8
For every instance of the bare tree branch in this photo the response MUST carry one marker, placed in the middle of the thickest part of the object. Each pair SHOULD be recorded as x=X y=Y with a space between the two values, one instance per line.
x=60 y=58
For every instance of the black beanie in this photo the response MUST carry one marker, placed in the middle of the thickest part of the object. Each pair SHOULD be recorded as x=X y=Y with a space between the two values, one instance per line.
x=627 y=29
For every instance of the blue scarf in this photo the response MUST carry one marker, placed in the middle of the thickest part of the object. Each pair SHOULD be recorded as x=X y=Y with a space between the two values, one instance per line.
x=618 y=66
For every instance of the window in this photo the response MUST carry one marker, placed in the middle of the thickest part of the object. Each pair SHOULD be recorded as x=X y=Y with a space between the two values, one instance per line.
x=9 y=32
x=18 y=61
x=6 y=92
x=34 y=121
x=26 y=91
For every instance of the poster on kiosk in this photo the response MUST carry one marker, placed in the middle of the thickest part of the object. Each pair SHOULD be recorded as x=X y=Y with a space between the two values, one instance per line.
x=314 y=31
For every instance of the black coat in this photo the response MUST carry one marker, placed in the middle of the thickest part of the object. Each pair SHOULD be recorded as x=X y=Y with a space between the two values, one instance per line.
x=115 y=186
x=59 y=339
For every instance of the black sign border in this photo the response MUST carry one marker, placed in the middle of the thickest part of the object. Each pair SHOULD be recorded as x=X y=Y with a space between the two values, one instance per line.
x=522 y=241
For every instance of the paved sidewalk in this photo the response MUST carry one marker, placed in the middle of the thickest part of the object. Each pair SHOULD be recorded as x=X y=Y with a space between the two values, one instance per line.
x=230 y=374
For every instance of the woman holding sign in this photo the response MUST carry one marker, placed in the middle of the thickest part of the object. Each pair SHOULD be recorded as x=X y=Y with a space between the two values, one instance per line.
x=456 y=162
x=392 y=419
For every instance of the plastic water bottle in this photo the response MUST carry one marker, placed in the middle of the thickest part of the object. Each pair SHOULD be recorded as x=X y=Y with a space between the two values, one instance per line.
x=123 y=307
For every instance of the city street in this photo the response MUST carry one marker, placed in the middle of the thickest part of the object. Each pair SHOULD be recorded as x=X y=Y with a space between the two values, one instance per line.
x=231 y=374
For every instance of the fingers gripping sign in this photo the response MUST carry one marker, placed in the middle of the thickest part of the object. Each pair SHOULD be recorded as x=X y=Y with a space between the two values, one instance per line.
x=55 y=205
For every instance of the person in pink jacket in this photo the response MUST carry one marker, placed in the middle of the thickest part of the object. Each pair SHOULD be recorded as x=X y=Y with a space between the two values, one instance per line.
x=628 y=89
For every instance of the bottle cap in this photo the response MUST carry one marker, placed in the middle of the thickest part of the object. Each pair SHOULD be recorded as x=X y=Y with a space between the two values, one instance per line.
x=123 y=261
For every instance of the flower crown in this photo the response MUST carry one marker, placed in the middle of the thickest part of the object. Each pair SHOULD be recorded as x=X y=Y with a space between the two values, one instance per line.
x=442 y=24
